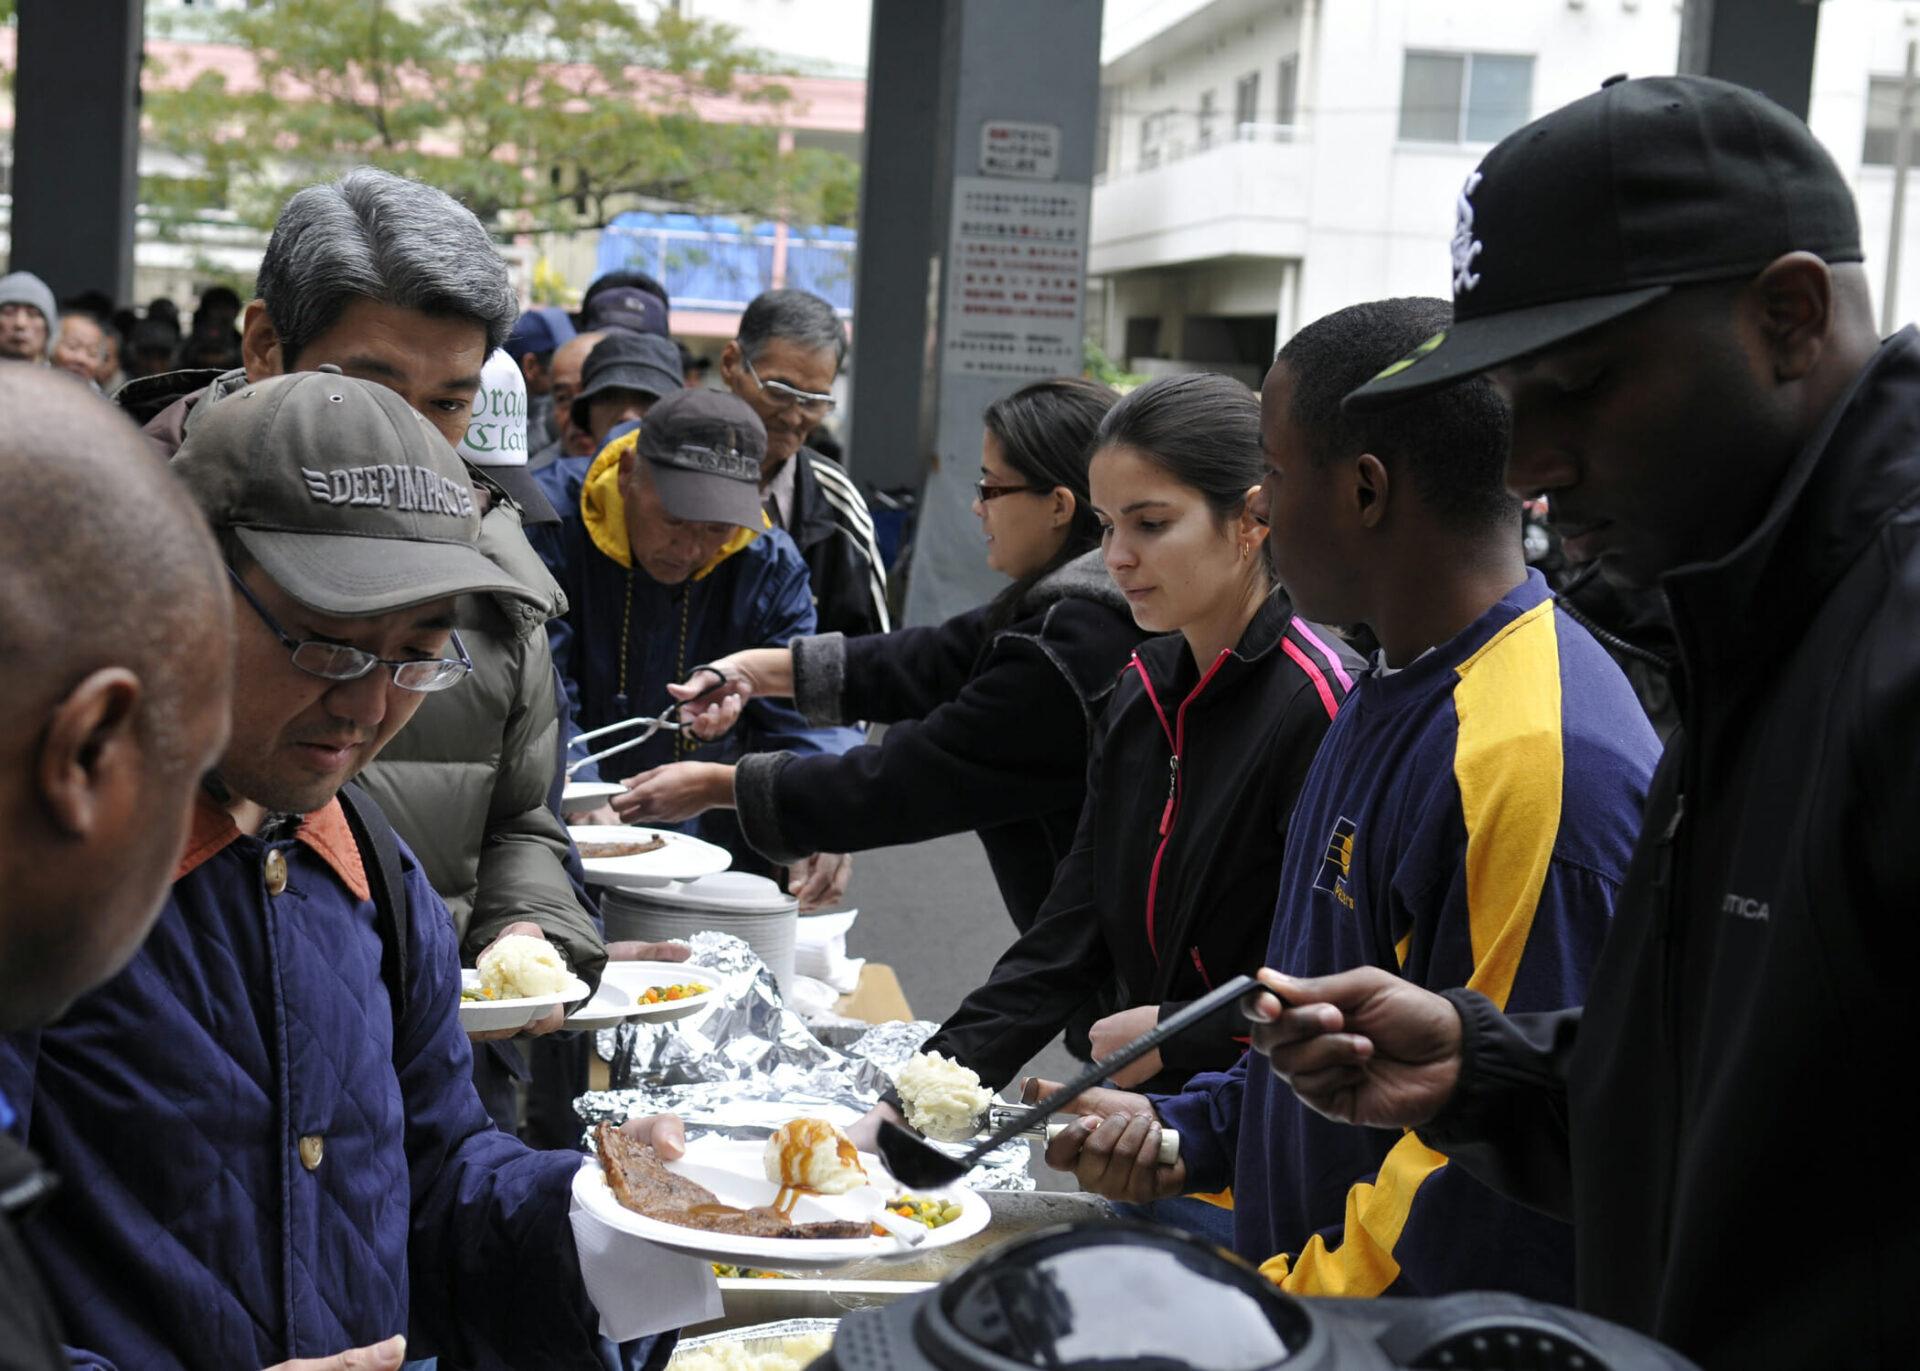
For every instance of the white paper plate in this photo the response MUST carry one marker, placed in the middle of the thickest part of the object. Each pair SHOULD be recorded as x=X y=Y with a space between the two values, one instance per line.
x=577 y=797
x=735 y=1172
x=489 y=1016
x=684 y=858
x=622 y=983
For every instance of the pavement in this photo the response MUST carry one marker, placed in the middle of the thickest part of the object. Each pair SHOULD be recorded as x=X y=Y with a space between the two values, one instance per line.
x=932 y=912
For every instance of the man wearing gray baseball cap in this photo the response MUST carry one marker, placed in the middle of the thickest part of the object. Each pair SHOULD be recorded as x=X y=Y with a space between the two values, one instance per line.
x=667 y=561
x=394 y=282
x=288 y=1039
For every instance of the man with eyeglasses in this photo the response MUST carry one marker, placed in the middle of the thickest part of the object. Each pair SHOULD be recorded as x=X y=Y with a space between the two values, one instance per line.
x=782 y=362
x=271 y=1142
x=393 y=281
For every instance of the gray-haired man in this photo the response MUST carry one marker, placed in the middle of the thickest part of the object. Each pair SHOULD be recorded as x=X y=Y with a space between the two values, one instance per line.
x=394 y=282
x=782 y=362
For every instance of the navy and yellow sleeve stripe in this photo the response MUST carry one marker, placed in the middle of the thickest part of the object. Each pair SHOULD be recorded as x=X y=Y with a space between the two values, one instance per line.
x=1509 y=766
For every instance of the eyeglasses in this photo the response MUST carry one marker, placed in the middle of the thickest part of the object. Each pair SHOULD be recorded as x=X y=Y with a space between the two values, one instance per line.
x=984 y=492
x=339 y=662
x=811 y=403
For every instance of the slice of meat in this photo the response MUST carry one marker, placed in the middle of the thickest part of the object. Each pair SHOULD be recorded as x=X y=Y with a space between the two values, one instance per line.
x=593 y=851
x=642 y=1183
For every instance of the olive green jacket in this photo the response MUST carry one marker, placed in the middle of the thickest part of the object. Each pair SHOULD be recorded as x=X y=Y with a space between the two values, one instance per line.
x=466 y=781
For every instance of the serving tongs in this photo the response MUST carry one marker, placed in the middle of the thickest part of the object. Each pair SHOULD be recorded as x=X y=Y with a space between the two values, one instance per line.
x=664 y=723
x=919 y=1165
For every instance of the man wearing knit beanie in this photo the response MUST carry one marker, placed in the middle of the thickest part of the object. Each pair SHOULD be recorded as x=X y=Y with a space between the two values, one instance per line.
x=28 y=318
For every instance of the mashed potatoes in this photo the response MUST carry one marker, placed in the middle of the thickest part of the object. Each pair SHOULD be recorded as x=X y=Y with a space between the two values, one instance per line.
x=790 y=1354
x=811 y=1154
x=944 y=1099
x=519 y=965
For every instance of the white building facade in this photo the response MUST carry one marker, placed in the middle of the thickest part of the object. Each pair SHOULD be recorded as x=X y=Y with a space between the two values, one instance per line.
x=1268 y=161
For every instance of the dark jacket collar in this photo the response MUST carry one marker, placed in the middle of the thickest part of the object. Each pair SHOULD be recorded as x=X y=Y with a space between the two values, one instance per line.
x=1859 y=470
x=811 y=518
x=1169 y=661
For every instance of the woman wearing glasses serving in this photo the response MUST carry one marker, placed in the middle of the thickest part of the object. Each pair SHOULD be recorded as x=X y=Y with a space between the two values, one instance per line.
x=990 y=712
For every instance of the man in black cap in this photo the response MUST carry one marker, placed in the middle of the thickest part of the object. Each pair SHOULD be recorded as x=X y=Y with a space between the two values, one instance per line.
x=273 y=1146
x=619 y=382
x=1665 y=280
x=624 y=375
x=632 y=300
x=668 y=561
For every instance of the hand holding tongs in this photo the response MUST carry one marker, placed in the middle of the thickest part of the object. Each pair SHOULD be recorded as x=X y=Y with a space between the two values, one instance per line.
x=669 y=722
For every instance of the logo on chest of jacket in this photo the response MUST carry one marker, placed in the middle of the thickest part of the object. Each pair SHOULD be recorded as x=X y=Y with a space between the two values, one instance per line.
x=1745 y=907
x=1336 y=865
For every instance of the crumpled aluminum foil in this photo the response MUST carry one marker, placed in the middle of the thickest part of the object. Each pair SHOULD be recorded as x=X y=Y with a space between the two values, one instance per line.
x=750 y=1064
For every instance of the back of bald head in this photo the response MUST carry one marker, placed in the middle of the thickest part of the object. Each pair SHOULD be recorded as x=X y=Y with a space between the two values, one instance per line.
x=104 y=559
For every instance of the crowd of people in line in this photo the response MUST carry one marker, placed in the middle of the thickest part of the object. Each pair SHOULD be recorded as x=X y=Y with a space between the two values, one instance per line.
x=299 y=636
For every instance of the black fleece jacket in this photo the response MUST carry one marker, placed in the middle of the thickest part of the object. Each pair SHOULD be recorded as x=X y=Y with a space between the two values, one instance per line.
x=1170 y=886
x=988 y=731
x=1728 y=1122
x=833 y=528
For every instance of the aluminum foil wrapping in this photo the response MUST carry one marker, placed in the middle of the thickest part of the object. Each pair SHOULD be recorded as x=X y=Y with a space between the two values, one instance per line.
x=750 y=1064
x=760 y=1337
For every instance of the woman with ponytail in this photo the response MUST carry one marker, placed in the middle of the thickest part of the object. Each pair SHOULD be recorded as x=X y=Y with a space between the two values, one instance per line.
x=1170 y=886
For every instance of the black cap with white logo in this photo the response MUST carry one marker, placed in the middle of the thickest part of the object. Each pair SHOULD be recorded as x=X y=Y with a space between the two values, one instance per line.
x=344 y=495
x=1609 y=203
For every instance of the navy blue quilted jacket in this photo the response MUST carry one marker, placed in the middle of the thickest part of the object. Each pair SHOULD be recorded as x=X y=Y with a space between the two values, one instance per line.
x=253 y=1169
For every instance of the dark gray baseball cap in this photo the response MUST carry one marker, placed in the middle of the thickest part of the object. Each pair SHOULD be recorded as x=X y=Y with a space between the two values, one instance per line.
x=703 y=449
x=349 y=499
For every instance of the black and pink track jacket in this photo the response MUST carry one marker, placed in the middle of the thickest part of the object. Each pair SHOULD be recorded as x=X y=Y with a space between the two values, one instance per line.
x=1169 y=887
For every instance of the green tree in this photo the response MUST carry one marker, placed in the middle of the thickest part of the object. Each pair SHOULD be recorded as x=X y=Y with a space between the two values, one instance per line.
x=541 y=115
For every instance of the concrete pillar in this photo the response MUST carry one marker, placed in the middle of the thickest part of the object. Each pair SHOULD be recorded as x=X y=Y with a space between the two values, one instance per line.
x=76 y=143
x=939 y=72
x=1765 y=44
x=890 y=432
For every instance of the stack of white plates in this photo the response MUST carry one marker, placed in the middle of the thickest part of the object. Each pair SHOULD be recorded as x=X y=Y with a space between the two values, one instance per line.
x=752 y=908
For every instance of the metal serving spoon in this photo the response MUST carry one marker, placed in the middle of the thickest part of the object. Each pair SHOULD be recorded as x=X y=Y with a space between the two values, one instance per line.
x=918 y=1165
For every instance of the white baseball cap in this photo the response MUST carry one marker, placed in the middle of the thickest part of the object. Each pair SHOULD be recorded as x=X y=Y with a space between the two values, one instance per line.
x=496 y=436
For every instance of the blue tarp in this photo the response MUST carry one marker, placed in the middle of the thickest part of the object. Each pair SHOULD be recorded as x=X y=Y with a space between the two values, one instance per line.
x=721 y=265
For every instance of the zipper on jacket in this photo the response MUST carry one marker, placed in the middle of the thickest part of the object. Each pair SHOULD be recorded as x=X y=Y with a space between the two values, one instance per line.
x=1672 y=952
x=1176 y=739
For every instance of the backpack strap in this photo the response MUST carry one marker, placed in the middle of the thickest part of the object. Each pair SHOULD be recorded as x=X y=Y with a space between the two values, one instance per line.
x=380 y=853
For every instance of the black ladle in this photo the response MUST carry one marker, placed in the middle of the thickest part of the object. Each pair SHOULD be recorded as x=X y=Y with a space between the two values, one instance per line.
x=919 y=1165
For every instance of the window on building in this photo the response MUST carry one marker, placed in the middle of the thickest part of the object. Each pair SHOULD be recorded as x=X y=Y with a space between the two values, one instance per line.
x=1464 y=97
x=1152 y=127
x=1246 y=102
x=1883 y=122
x=1206 y=120
x=1288 y=111
x=1103 y=131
